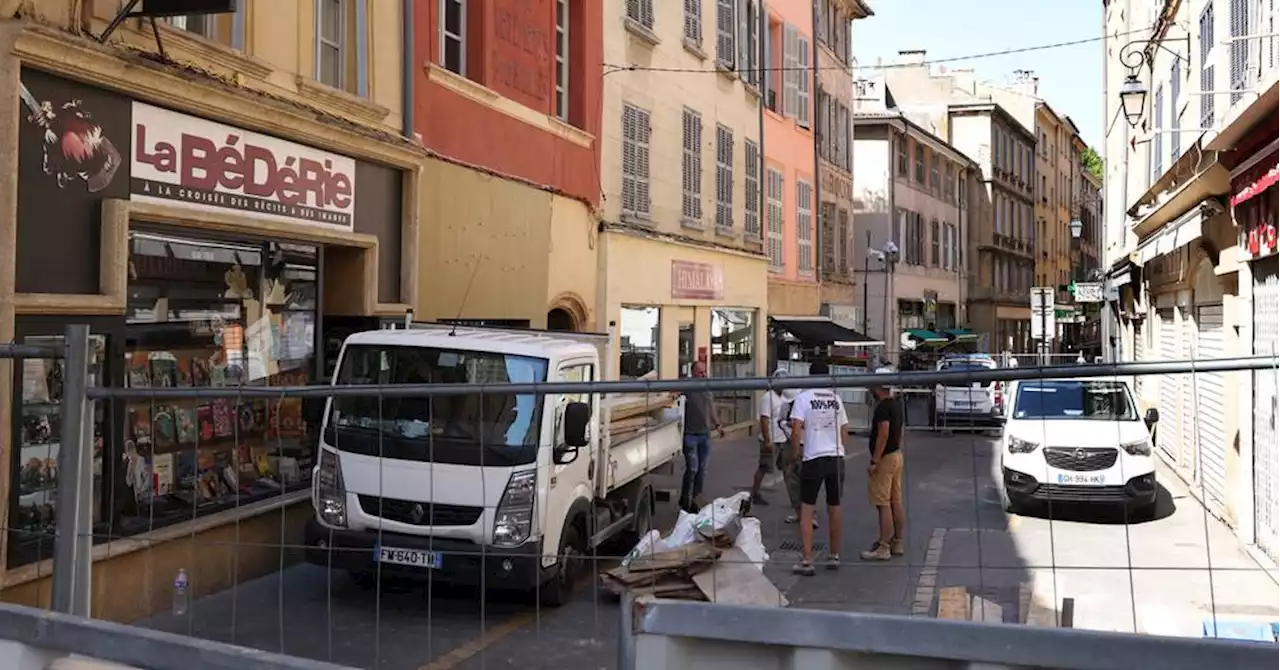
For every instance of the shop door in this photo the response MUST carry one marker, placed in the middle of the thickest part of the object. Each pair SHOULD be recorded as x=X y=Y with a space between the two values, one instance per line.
x=1187 y=445
x=1210 y=409
x=1167 y=433
x=1266 y=451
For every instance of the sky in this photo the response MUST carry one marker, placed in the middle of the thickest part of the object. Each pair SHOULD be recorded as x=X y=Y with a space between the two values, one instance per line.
x=1071 y=78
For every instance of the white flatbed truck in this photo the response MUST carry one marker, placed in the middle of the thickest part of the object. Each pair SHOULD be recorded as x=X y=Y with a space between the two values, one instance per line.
x=500 y=490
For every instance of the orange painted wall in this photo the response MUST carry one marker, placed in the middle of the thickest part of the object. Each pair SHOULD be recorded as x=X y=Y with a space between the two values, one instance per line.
x=788 y=146
x=511 y=52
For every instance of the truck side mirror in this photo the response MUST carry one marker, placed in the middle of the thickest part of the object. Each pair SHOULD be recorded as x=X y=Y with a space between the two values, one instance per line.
x=1152 y=417
x=577 y=418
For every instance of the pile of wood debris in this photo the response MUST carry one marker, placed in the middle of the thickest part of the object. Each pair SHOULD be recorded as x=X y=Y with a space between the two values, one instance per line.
x=709 y=570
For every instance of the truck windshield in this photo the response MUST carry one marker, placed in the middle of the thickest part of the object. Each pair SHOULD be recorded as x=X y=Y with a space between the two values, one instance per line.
x=495 y=428
x=1074 y=400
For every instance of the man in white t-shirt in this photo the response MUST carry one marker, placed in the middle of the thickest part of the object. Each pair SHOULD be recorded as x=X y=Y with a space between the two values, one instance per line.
x=775 y=445
x=818 y=420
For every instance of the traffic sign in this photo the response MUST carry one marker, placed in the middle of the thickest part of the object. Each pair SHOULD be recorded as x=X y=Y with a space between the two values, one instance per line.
x=1043 y=324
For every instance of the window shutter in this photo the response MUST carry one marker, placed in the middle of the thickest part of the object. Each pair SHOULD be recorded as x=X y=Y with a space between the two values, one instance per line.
x=693 y=21
x=744 y=37
x=726 y=52
x=642 y=162
x=827 y=225
x=789 y=90
x=804 y=80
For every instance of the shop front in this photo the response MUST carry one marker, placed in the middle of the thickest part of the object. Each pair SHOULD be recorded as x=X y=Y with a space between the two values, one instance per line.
x=202 y=255
x=674 y=304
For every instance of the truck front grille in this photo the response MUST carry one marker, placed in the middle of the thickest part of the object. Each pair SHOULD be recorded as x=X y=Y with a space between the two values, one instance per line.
x=419 y=513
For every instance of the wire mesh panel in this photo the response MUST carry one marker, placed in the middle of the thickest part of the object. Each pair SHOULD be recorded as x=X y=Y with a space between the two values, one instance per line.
x=468 y=501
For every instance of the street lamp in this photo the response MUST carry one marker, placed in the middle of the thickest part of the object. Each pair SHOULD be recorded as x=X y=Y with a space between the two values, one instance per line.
x=1076 y=228
x=1133 y=98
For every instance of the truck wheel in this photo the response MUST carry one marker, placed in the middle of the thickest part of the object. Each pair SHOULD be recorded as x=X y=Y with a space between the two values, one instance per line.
x=559 y=590
x=644 y=520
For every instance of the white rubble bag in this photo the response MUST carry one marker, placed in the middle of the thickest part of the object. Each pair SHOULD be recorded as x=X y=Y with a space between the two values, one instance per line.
x=751 y=541
x=721 y=515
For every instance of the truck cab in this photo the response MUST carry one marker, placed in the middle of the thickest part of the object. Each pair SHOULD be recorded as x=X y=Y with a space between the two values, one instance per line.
x=486 y=487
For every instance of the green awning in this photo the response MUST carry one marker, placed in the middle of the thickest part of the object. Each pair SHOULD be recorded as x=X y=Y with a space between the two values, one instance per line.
x=960 y=334
x=926 y=336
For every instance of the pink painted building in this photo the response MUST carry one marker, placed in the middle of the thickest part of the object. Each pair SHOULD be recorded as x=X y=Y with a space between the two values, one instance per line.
x=790 y=181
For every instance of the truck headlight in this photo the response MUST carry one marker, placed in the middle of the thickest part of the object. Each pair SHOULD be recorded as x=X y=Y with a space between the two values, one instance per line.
x=1021 y=446
x=513 y=519
x=1138 y=448
x=330 y=494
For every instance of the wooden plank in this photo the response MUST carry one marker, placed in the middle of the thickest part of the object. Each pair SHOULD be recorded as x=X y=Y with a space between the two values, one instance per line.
x=735 y=580
x=981 y=609
x=953 y=603
x=1042 y=610
x=676 y=558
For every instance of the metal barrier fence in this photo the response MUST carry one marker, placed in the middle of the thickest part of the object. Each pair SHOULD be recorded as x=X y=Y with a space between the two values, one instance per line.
x=235 y=539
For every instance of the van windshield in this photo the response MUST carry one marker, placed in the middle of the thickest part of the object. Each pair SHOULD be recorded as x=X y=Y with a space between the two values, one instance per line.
x=492 y=428
x=1074 y=400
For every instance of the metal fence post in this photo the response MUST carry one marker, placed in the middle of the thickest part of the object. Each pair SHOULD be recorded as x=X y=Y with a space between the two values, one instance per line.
x=73 y=545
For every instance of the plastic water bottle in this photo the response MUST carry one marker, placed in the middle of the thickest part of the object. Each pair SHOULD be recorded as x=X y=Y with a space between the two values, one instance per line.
x=181 y=596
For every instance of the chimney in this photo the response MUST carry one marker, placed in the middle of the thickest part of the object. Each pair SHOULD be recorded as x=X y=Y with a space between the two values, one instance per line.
x=911 y=57
x=1026 y=82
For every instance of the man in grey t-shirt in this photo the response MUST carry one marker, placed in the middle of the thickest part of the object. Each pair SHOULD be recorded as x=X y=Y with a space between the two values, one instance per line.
x=700 y=417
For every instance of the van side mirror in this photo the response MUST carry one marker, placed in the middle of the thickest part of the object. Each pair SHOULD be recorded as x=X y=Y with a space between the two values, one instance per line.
x=1152 y=417
x=575 y=422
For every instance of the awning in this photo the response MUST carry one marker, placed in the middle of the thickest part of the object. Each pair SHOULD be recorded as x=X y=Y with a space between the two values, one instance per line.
x=925 y=336
x=960 y=335
x=819 y=331
x=1121 y=273
x=1197 y=176
x=1182 y=231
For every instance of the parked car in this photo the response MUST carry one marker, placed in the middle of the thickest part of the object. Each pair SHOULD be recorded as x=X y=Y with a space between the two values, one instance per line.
x=960 y=403
x=1080 y=441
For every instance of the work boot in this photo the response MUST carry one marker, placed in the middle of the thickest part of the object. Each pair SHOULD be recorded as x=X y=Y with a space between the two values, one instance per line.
x=878 y=552
x=896 y=547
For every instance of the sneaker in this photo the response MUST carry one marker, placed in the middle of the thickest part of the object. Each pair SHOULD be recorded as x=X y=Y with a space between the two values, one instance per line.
x=792 y=518
x=832 y=562
x=878 y=552
x=804 y=569
x=896 y=547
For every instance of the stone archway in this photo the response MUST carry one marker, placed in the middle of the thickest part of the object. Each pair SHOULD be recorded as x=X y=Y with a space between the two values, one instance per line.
x=567 y=312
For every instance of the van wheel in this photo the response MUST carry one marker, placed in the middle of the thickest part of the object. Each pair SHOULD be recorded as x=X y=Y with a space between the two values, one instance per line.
x=559 y=590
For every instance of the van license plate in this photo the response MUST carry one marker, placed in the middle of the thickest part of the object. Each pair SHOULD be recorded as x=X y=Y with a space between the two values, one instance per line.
x=411 y=557
x=1082 y=480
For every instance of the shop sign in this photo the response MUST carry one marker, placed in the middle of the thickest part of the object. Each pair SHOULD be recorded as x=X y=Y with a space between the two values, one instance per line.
x=182 y=160
x=696 y=281
x=1254 y=206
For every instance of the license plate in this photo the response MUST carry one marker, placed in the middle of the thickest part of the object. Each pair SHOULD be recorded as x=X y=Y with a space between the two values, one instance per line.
x=411 y=557
x=1082 y=480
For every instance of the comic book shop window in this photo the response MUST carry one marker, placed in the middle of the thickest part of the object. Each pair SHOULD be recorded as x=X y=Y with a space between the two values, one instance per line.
x=217 y=315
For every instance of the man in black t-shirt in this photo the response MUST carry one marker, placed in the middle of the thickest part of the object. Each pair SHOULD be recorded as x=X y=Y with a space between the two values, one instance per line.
x=884 y=473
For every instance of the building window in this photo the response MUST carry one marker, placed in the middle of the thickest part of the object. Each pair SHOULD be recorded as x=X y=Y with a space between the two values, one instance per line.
x=773 y=217
x=949 y=183
x=935 y=241
x=749 y=61
x=901 y=141
x=804 y=226
x=204 y=25
x=934 y=177
x=1239 y=48
x=733 y=339
x=726 y=34
x=724 y=178
x=1157 y=144
x=639 y=329
x=751 y=190
x=790 y=75
x=331 y=29
x=635 y=161
x=919 y=164
x=692 y=21
x=562 y=59
x=1206 y=67
x=844 y=243
x=453 y=36
x=804 y=79
x=691 y=167
x=641 y=12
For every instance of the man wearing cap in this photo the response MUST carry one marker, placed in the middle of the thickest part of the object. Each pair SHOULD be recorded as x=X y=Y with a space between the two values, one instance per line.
x=884 y=473
x=818 y=419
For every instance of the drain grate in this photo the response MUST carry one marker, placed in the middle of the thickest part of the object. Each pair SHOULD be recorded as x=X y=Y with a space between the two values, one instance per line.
x=794 y=545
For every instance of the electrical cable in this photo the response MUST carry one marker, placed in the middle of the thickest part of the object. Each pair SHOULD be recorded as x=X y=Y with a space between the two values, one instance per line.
x=611 y=67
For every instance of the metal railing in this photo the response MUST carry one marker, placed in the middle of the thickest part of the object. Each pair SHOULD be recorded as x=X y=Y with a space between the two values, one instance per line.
x=321 y=599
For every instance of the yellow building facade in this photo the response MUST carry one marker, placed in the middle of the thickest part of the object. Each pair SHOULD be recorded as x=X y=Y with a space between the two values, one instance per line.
x=307 y=217
x=682 y=273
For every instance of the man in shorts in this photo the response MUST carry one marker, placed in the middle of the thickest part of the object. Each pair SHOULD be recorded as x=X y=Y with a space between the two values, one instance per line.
x=818 y=419
x=884 y=473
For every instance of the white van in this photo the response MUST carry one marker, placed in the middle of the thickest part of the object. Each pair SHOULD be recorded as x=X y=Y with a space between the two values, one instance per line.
x=961 y=403
x=1078 y=440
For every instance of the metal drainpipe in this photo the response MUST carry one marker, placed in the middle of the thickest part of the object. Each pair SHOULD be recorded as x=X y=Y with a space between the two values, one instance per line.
x=814 y=86
x=408 y=71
